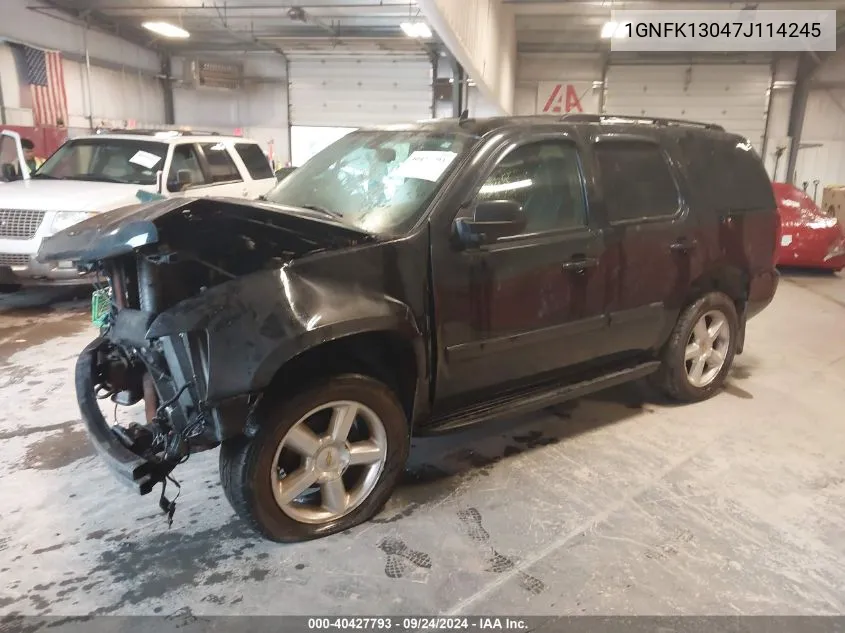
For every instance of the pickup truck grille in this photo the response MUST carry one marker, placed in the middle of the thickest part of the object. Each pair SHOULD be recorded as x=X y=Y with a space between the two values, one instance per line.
x=19 y=224
x=7 y=259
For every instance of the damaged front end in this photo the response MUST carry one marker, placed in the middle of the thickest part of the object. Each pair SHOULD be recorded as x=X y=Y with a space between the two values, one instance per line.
x=157 y=262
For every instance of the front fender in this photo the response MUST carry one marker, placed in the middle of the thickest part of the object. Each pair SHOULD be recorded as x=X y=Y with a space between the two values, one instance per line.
x=254 y=324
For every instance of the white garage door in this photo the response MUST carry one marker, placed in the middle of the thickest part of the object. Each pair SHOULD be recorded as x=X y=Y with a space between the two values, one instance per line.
x=734 y=96
x=359 y=91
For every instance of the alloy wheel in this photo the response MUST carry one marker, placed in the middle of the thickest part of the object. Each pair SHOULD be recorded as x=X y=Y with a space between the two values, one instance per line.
x=329 y=462
x=707 y=348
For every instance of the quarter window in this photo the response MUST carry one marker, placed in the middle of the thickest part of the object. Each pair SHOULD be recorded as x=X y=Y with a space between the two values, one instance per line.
x=256 y=162
x=727 y=174
x=545 y=178
x=636 y=180
x=221 y=167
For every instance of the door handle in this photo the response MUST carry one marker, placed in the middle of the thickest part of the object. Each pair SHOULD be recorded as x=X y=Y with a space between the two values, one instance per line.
x=580 y=264
x=683 y=246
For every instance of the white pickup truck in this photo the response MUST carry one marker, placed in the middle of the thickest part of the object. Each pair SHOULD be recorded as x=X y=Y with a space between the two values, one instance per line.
x=93 y=174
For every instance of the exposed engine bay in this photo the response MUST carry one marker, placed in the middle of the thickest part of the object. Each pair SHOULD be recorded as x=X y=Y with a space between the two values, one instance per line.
x=153 y=347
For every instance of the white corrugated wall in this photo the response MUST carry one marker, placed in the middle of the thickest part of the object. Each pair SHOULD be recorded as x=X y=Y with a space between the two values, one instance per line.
x=336 y=91
x=132 y=94
x=734 y=96
x=116 y=96
x=258 y=109
x=535 y=69
x=822 y=153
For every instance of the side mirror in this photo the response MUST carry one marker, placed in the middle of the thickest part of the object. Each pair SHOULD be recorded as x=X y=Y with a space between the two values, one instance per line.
x=184 y=178
x=490 y=221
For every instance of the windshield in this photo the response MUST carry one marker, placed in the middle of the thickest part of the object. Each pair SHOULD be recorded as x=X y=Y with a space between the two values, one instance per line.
x=106 y=160
x=377 y=181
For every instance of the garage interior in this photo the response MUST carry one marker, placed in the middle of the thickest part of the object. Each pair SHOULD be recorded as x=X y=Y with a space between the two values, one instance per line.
x=615 y=504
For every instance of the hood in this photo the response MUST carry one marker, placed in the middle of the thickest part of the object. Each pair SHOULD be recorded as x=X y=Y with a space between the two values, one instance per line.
x=66 y=195
x=191 y=223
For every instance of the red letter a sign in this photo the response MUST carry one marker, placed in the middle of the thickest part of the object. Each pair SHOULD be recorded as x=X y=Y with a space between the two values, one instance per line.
x=556 y=102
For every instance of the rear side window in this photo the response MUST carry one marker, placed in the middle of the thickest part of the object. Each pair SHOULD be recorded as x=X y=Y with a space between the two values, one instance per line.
x=221 y=167
x=636 y=180
x=727 y=174
x=256 y=162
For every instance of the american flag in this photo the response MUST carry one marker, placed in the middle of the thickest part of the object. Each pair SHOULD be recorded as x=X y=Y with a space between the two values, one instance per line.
x=42 y=80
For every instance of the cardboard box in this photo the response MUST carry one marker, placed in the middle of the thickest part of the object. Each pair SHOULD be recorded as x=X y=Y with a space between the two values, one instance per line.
x=833 y=202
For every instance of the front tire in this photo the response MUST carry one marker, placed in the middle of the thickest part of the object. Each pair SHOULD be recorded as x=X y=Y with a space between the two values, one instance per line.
x=700 y=352
x=320 y=463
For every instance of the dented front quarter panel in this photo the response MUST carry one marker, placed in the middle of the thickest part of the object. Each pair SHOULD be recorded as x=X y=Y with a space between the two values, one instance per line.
x=255 y=323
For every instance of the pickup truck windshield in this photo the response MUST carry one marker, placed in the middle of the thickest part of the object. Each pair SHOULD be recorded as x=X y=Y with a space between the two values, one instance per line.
x=106 y=160
x=377 y=181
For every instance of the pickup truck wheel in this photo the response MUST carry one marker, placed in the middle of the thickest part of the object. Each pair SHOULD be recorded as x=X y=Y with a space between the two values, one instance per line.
x=700 y=352
x=321 y=462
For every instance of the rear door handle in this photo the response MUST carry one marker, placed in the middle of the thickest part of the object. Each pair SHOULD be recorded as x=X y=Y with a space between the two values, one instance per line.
x=580 y=263
x=683 y=246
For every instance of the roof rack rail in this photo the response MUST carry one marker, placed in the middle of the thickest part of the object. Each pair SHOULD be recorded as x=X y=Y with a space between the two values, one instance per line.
x=603 y=118
x=152 y=132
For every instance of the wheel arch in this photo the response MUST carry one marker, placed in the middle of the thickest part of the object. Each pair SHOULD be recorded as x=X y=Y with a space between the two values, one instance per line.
x=728 y=280
x=392 y=355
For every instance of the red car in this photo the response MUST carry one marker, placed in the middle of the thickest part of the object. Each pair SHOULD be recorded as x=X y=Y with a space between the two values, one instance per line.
x=808 y=237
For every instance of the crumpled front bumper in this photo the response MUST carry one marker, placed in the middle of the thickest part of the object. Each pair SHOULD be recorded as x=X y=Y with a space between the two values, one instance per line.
x=133 y=470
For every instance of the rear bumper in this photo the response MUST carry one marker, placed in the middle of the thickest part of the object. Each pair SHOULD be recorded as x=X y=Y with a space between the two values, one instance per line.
x=761 y=292
x=131 y=469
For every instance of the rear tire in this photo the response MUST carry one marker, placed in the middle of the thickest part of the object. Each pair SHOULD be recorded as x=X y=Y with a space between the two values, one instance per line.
x=260 y=474
x=701 y=349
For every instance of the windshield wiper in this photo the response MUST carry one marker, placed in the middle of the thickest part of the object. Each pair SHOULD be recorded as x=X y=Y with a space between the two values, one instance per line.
x=95 y=178
x=323 y=210
x=45 y=176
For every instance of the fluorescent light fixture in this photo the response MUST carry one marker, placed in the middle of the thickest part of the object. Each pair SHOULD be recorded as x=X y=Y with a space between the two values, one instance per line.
x=614 y=29
x=416 y=29
x=165 y=29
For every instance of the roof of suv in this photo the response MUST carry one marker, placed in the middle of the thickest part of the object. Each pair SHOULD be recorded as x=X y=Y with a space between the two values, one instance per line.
x=482 y=126
x=165 y=136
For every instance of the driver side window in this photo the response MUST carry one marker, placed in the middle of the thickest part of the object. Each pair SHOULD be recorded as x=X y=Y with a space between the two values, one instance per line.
x=185 y=160
x=545 y=179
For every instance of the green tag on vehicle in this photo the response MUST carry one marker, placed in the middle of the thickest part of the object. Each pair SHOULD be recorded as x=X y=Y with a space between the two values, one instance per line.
x=100 y=307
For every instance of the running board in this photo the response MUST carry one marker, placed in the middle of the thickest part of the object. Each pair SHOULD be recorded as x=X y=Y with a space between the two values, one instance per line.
x=535 y=398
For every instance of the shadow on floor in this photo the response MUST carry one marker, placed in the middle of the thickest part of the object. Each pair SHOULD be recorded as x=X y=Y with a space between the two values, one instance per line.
x=439 y=463
x=787 y=271
x=38 y=301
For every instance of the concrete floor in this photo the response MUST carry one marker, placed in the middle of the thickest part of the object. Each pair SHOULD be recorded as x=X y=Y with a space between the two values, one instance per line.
x=611 y=505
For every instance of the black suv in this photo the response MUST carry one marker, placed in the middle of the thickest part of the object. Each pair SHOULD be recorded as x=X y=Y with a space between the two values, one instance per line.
x=412 y=280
